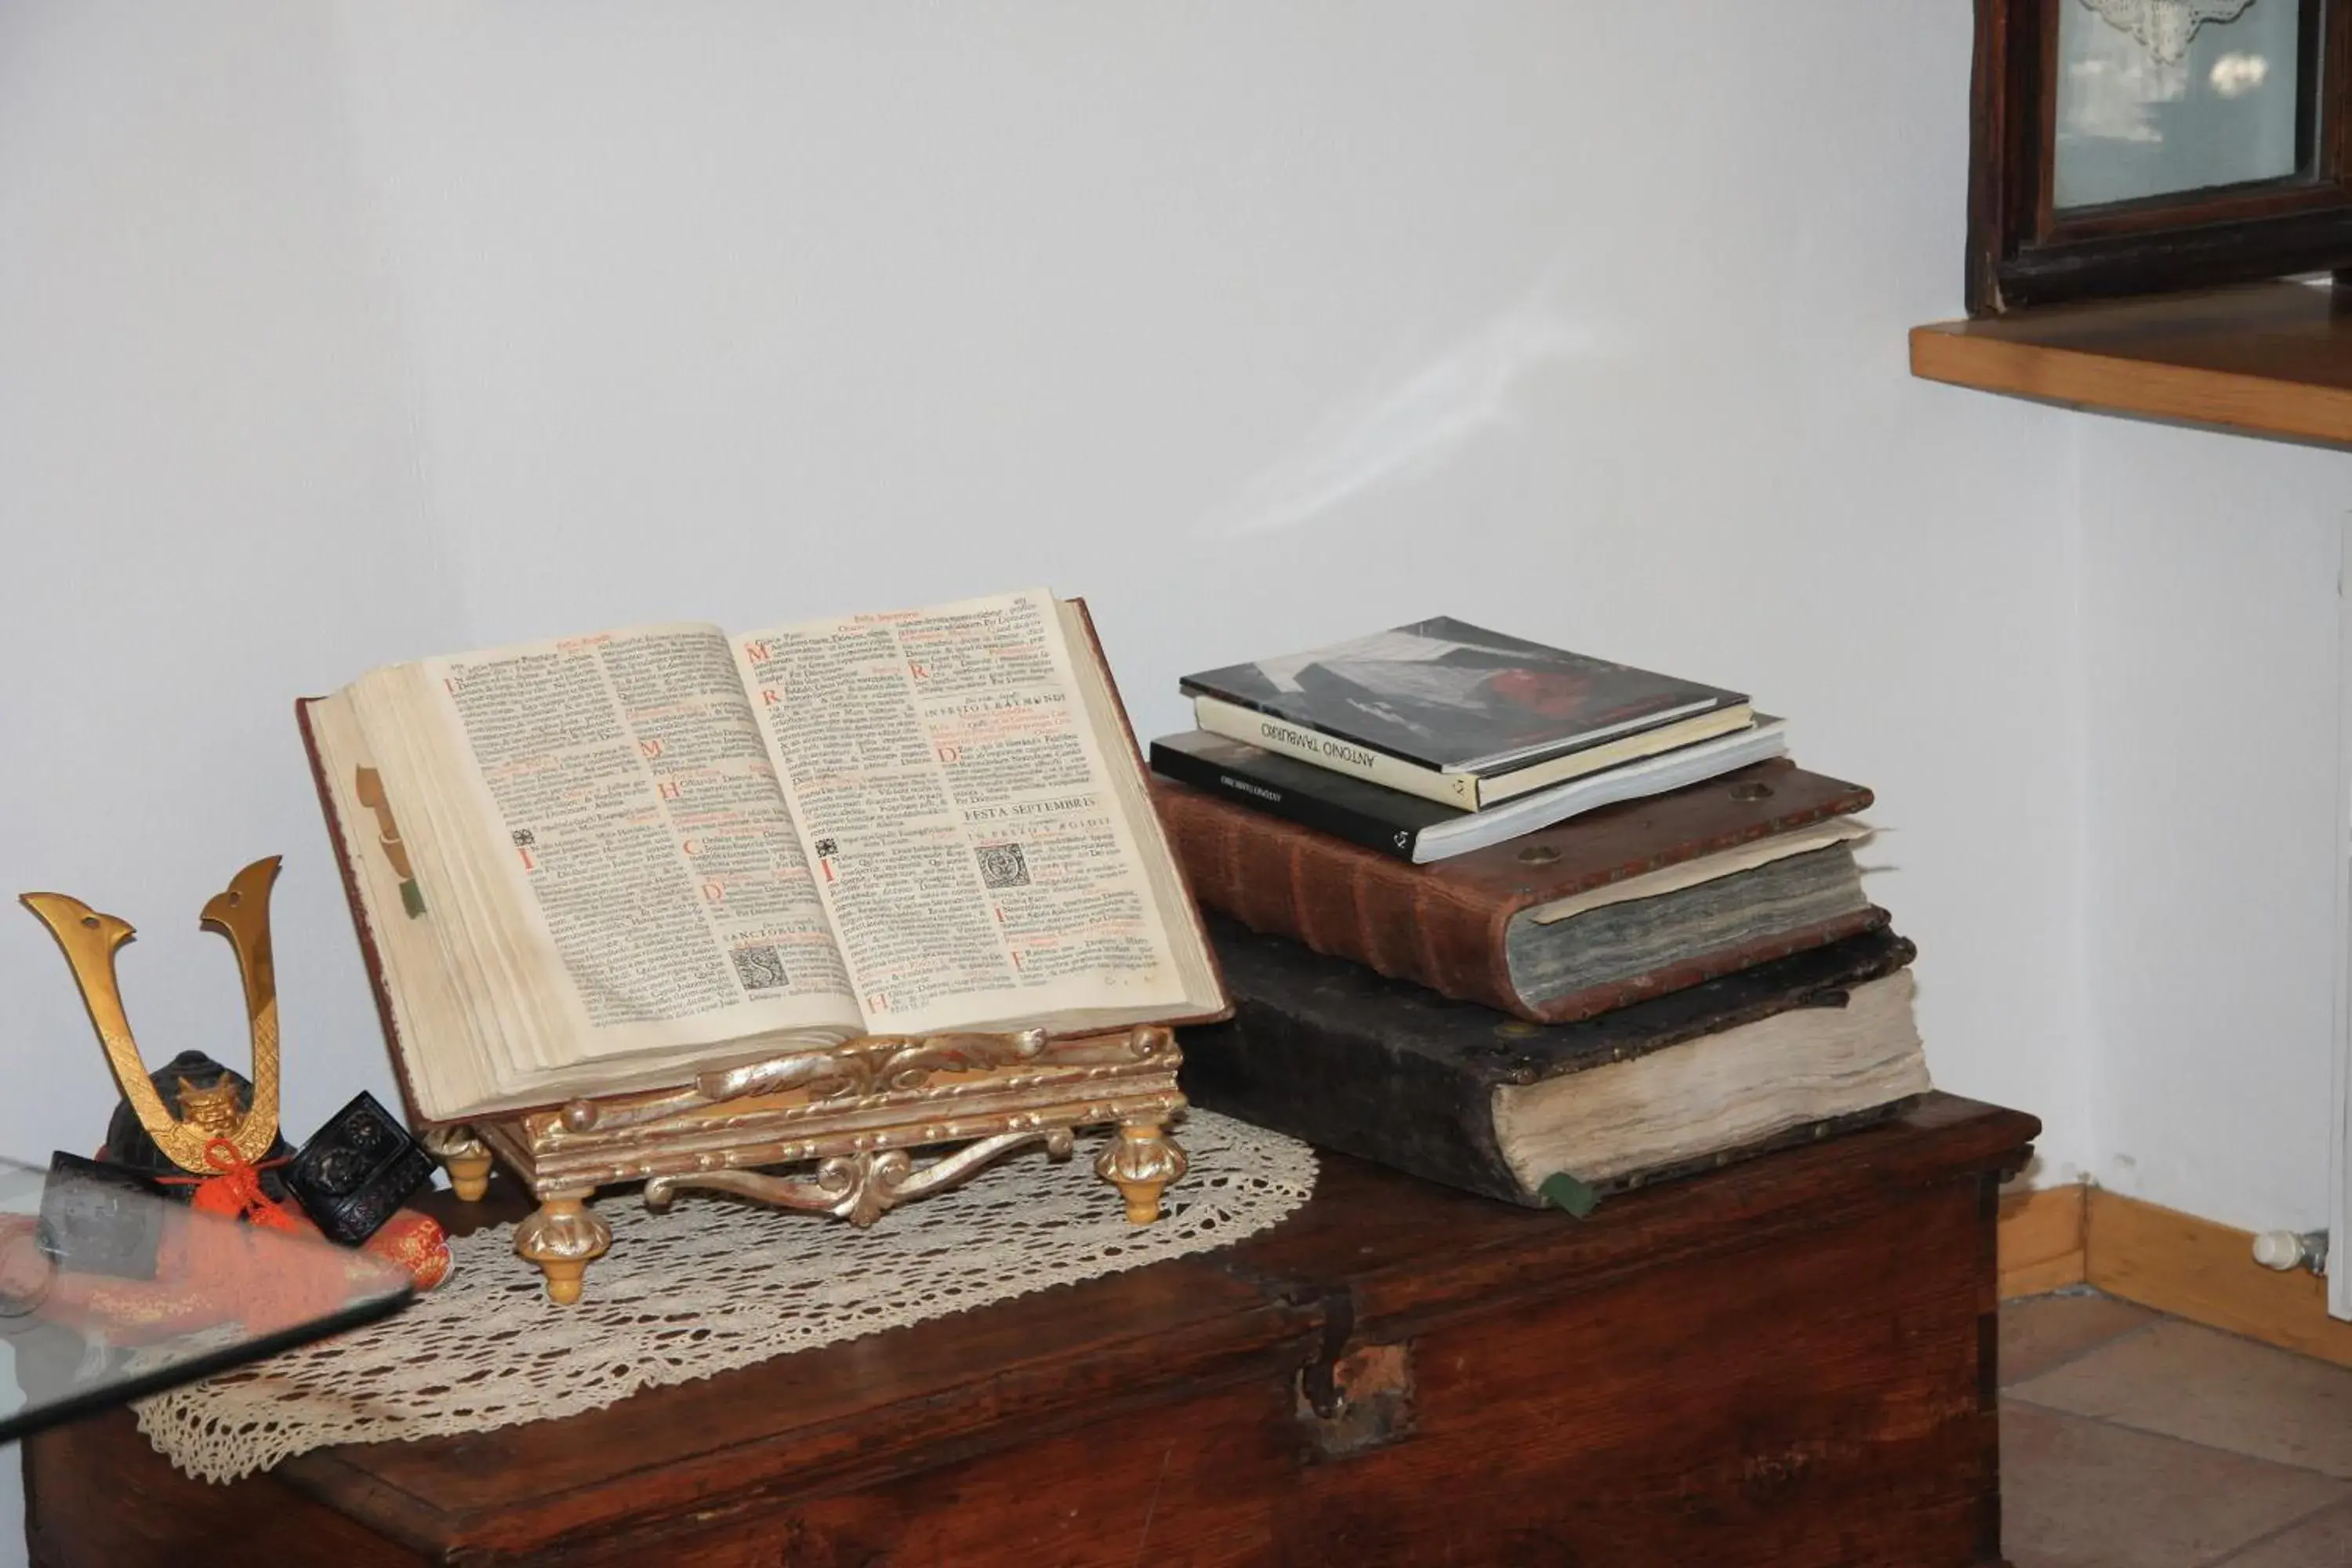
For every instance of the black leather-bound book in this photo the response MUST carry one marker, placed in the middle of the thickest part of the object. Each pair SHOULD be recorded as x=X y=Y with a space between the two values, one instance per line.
x=1563 y=1114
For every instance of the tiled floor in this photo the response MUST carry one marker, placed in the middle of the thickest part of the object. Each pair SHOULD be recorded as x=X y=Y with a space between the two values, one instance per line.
x=2133 y=1440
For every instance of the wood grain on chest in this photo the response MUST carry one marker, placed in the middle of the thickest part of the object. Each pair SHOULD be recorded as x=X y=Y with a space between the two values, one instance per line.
x=1784 y=1363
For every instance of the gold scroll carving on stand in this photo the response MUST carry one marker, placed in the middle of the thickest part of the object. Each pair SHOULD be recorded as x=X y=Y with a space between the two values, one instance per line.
x=858 y=1112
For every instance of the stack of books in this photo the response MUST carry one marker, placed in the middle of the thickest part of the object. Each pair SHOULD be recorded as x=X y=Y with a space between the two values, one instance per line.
x=1526 y=922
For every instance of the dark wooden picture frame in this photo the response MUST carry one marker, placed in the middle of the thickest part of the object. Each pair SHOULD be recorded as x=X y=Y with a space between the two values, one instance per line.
x=2022 y=250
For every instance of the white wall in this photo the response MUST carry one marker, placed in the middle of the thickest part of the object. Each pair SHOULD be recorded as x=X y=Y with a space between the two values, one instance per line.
x=2210 y=613
x=209 y=503
x=209 y=488
x=333 y=336
x=1259 y=325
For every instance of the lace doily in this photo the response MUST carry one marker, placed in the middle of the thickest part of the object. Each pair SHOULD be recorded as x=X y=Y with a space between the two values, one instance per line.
x=713 y=1285
x=2166 y=28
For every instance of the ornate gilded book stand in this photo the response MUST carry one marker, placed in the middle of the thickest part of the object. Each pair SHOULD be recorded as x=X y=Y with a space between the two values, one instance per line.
x=859 y=1110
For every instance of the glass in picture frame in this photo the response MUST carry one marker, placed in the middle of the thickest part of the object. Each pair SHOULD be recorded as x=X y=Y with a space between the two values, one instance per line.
x=2164 y=98
x=2125 y=147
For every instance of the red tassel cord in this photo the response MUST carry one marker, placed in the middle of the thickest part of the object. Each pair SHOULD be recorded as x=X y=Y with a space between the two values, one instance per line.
x=234 y=1192
x=261 y=1282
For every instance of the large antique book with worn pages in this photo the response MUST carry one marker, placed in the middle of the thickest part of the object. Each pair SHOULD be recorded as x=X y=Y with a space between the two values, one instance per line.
x=1605 y=909
x=1818 y=1042
x=612 y=862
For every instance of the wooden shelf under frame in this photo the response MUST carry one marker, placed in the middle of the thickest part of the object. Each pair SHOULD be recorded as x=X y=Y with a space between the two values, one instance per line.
x=2271 y=360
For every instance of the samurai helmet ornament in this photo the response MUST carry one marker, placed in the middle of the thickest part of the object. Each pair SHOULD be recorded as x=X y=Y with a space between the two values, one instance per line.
x=241 y=913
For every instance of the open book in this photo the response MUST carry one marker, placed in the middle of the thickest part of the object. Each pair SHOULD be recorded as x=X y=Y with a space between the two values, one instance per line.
x=611 y=862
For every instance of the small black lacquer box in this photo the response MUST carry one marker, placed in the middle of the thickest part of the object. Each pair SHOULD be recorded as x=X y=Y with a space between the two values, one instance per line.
x=101 y=1218
x=356 y=1170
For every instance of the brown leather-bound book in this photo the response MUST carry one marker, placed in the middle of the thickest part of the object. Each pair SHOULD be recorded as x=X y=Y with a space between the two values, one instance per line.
x=1624 y=903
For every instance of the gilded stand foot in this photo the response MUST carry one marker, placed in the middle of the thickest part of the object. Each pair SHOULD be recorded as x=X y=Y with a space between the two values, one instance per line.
x=562 y=1236
x=466 y=1157
x=1140 y=1163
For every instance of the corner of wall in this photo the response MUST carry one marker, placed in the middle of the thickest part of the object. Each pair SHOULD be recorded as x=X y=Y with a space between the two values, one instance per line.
x=2085 y=1072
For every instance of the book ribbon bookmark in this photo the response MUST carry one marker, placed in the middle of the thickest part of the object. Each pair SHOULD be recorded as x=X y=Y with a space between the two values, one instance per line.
x=1562 y=1191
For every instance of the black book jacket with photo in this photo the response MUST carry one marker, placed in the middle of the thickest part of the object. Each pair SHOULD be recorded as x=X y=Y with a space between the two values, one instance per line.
x=1452 y=697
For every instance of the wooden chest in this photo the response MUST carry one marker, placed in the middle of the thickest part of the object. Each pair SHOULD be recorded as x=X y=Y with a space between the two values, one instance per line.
x=1789 y=1362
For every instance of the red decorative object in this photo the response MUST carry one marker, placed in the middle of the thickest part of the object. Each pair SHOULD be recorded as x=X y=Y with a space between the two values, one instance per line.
x=415 y=1242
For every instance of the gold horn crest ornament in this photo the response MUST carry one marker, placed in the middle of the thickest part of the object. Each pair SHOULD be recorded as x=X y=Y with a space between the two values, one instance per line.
x=241 y=913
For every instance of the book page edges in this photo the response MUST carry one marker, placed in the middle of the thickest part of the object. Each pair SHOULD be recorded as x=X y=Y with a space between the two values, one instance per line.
x=363 y=918
x=1189 y=910
x=1707 y=868
x=1747 y=1083
x=1841 y=800
x=1700 y=968
x=1664 y=740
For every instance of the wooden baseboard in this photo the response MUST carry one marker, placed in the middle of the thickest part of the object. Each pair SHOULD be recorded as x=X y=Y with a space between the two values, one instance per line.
x=2177 y=1263
x=2206 y=1272
x=2040 y=1240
